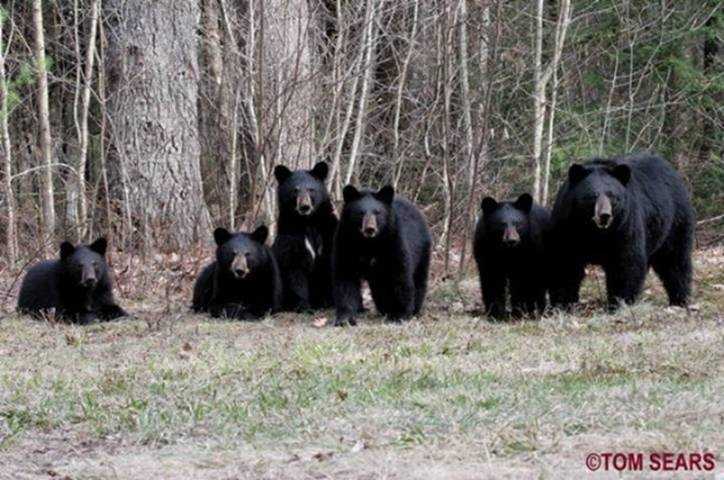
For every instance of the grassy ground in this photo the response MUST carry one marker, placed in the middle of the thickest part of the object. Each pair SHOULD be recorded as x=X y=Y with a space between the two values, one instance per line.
x=448 y=395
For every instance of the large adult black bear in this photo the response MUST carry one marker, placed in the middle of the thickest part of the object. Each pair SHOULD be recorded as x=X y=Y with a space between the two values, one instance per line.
x=305 y=235
x=243 y=282
x=624 y=214
x=78 y=286
x=509 y=252
x=382 y=239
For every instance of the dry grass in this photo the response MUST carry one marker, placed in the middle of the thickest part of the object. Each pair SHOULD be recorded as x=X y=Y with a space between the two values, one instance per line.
x=172 y=395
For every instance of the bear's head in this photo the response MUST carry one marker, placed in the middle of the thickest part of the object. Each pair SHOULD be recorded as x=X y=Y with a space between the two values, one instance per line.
x=367 y=212
x=507 y=222
x=598 y=190
x=83 y=265
x=240 y=254
x=301 y=192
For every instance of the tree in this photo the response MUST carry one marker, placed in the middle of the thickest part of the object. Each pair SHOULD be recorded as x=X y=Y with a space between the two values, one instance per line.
x=153 y=85
x=44 y=120
x=6 y=147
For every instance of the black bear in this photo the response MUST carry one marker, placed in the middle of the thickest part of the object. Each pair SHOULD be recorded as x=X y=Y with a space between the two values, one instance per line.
x=509 y=251
x=78 y=286
x=305 y=235
x=382 y=239
x=624 y=214
x=243 y=282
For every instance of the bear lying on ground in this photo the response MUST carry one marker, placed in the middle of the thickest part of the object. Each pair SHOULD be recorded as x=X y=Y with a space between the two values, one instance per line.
x=305 y=235
x=78 y=286
x=509 y=251
x=624 y=214
x=243 y=282
x=382 y=239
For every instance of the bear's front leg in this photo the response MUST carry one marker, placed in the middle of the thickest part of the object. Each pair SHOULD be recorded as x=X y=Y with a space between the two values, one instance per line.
x=625 y=277
x=347 y=300
x=566 y=279
x=394 y=298
x=296 y=291
x=493 y=287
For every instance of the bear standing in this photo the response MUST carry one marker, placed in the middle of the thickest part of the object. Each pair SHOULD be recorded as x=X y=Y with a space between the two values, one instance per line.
x=509 y=252
x=243 y=282
x=624 y=214
x=305 y=234
x=382 y=239
x=78 y=286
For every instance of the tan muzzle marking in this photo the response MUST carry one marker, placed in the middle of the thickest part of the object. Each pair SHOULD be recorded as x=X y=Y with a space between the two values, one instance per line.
x=603 y=212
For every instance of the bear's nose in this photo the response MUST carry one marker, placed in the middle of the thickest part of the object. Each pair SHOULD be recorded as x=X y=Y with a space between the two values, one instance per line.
x=369 y=231
x=304 y=209
x=510 y=242
x=240 y=273
x=604 y=220
x=88 y=282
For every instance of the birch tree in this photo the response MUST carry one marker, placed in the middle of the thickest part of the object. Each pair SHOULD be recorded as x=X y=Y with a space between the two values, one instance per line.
x=542 y=77
x=44 y=121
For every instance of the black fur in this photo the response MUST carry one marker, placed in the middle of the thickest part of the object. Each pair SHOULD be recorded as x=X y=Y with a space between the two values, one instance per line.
x=394 y=261
x=224 y=291
x=652 y=224
x=78 y=286
x=516 y=264
x=303 y=246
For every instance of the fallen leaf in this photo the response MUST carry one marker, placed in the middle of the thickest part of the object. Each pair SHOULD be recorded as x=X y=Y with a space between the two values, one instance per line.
x=320 y=322
x=358 y=447
x=321 y=456
x=187 y=347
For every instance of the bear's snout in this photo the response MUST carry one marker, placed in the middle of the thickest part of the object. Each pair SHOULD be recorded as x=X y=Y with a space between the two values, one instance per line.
x=88 y=279
x=511 y=237
x=369 y=225
x=304 y=204
x=603 y=212
x=240 y=267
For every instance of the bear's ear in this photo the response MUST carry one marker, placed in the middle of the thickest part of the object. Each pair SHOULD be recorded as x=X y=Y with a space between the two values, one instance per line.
x=622 y=173
x=221 y=236
x=386 y=194
x=260 y=234
x=524 y=203
x=577 y=173
x=350 y=194
x=66 y=250
x=320 y=171
x=99 y=246
x=489 y=205
x=281 y=173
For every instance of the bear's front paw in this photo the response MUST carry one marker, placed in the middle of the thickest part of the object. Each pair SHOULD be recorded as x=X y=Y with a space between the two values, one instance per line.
x=86 y=318
x=344 y=321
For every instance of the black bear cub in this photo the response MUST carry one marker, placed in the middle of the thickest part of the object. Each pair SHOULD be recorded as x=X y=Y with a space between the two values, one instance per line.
x=624 y=214
x=382 y=239
x=305 y=235
x=78 y=286
x=509 y=251
x=243 y=282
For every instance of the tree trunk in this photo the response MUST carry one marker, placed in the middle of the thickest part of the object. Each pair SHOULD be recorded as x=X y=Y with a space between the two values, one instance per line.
x=153 y=81
x=5 y=148
x=711 y=115
x=44 y=118
x=83 y=134
x=284 y=82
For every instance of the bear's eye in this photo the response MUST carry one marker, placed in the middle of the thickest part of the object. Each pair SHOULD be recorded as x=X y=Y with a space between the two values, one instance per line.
x=247 y=254
x=311 y=190
x=377 y=211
